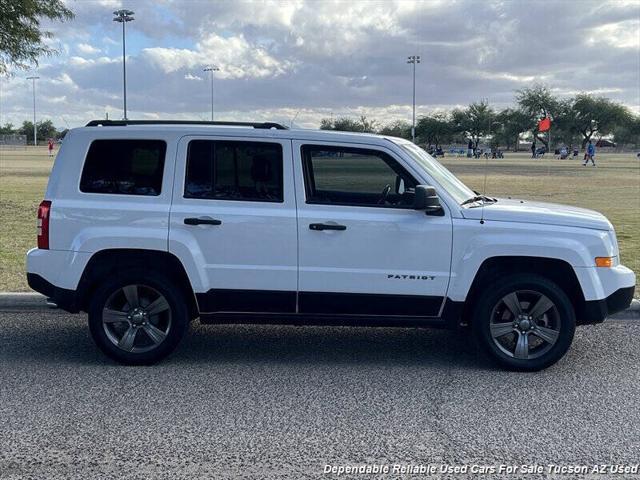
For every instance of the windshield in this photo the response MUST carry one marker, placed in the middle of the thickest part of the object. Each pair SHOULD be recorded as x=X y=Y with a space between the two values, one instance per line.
x=458 y=190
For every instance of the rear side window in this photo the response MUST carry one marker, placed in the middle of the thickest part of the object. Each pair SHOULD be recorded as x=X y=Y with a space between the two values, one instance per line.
x=126 y=167
x=234 y=170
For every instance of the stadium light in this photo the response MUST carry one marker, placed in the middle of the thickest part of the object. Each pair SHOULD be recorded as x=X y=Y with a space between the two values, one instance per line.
x=35 y=129
x=211 y=69
x=124 y=16
x=414 y=59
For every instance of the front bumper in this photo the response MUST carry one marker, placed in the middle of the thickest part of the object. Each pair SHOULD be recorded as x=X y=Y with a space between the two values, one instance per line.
x=595 y=311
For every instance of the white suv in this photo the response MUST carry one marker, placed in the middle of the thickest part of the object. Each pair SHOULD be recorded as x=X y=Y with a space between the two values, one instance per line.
x=148 y=225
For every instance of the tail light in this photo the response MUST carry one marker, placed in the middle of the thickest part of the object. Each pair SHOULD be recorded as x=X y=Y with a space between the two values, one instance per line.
x=43 y=224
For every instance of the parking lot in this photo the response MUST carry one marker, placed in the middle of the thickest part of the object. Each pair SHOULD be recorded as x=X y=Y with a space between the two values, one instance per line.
x=283 y=402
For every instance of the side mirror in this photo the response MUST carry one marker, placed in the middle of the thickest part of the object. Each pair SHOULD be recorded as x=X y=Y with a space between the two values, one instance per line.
x=426 y=199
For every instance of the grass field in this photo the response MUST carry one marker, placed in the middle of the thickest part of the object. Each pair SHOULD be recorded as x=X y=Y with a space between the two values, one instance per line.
x=612 y=188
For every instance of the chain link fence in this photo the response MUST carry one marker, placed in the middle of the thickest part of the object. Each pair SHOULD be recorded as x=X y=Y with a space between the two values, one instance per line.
x=13 y=142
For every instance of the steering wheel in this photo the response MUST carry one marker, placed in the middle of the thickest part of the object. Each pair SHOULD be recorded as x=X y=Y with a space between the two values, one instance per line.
x=385 y=194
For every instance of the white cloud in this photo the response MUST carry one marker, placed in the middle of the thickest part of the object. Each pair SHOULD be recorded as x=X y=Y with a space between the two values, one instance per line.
x=235 y=57
x=280 y=57
x=109 y=41
x=82 y=62
x=596 y=91
x=87 y=49
x=60 y=99
x=511 y=77
x=64 y=80
x=620 y=35
x=110 y=3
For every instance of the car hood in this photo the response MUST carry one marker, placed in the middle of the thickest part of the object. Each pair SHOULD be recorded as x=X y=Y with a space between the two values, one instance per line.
x=525 y=211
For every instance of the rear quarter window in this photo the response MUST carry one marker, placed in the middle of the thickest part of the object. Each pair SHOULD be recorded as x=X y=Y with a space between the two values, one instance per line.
x=125 y=167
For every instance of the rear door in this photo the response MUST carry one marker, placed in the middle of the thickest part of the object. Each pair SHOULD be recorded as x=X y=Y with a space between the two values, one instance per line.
x=233 y=223
x=363 y=250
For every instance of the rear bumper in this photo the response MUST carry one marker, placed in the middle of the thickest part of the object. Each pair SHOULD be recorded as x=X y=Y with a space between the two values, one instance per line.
x=58 y=267
x=63 y=298
x=595 y=311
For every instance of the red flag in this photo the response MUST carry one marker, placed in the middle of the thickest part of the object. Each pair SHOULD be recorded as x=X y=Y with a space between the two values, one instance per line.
x=544 y=124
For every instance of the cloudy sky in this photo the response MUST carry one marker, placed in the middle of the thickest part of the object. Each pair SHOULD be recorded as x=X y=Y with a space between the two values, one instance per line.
x=309 y=59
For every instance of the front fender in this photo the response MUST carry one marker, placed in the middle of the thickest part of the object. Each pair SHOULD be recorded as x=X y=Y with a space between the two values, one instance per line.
x=474 y=243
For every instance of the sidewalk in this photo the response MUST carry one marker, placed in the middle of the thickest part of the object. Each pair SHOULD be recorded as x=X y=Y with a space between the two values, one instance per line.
x=34 y=301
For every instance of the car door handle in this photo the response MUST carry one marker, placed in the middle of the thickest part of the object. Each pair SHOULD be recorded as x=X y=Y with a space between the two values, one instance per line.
x=202 y=221
x=326 y=226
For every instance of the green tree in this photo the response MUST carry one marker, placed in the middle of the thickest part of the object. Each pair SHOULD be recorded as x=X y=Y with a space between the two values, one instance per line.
x=346 y=124
x=538 y=102
x=22 y=39
x=27 y=129
x=327 y=124
x=564 y=129
x=628 y=132
x=597 y=115
x=46 y=130
x=399 y=128
x=7 y=129
x=513 y=122
x=368 y=126
x=473 y=122
x=435 y=129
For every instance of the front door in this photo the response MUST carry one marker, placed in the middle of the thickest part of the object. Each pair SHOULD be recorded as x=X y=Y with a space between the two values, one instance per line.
x=363 y=250
x=233 y=223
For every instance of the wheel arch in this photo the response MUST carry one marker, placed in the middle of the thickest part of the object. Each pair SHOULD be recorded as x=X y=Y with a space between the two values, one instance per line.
x=557 y=270
x=111 y=261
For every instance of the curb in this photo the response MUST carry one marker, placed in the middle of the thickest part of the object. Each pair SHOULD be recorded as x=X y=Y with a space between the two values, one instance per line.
x=10 y=301
x=631 y=313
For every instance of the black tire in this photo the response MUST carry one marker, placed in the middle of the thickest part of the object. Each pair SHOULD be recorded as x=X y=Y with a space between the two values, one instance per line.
x=491 y=308
x=148 y=281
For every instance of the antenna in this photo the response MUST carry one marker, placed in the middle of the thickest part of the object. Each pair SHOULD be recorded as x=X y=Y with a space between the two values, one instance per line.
x=486 y=167
x=294 y=119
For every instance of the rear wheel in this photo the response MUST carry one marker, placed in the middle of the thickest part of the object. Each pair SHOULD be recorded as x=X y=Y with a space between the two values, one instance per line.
x=525 y=322
x=138 y=318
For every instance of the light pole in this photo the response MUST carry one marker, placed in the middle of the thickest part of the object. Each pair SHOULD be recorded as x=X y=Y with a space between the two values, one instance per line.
x=35 y=129
x=414 y=59
x=124 y=16
x=211 y=69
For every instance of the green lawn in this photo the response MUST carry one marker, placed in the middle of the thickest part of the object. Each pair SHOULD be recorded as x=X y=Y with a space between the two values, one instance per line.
x=612 y=188
x=23 y=180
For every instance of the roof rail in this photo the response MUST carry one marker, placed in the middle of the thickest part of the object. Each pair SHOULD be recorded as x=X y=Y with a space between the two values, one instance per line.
x=122 y=123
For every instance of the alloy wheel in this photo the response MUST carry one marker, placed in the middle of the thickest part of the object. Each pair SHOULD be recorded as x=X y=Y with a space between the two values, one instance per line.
x=136 y=318
x=525 y=324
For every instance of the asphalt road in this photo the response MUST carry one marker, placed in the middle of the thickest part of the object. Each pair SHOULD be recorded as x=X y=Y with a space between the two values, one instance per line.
x=282 y=402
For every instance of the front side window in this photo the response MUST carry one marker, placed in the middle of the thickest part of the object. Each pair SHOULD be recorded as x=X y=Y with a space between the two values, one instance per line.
x=356 y=177
x=234 y=170
x=126 y=167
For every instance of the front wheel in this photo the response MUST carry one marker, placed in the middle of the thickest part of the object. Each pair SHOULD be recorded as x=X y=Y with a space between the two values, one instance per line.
x=138 y=318
x=524 y=322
